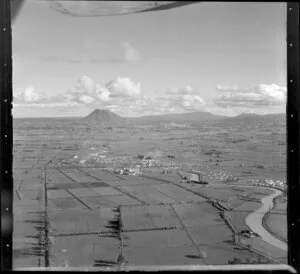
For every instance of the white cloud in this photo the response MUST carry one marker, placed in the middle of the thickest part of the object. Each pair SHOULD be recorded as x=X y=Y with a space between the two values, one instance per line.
x=84 y=85
x=103 y=93
x=121 y=95
x=182 y=99
x=86 y=99
x=123 y=87
x=189 y=100
x=131 y=54
x=125 y=97
x=86 y=91
x=46 y=105
x=226 y=88
x=29 y=95
x=259 y=96
x=181 y=91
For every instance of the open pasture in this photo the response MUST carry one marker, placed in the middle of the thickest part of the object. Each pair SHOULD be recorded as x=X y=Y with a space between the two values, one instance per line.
x=72 y=165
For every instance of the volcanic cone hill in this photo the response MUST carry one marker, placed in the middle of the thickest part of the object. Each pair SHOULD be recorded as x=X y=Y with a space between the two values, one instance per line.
x=103 y=117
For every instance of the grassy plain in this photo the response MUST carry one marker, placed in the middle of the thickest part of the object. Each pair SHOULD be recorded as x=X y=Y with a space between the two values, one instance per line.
x=64 y=169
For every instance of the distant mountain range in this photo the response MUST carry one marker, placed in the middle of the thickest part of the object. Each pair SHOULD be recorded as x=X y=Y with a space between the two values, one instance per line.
x=106 y=117
x=250 y=118
x=181 y=117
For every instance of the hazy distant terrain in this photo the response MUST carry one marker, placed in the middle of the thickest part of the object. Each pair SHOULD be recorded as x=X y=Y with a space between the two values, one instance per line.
x=250 y=146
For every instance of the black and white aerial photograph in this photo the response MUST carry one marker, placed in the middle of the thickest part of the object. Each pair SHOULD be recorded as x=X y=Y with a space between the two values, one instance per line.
x=149 y=134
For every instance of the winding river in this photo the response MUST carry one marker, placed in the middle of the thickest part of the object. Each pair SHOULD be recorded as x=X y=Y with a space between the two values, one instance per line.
x=255 y=220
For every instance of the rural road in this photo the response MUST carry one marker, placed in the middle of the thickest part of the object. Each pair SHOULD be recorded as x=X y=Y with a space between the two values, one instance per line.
x=254 y=221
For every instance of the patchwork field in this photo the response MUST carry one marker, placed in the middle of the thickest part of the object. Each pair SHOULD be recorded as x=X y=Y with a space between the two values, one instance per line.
x=115 y=196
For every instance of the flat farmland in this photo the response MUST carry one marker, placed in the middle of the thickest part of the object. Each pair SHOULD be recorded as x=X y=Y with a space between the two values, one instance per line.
x=117 y=192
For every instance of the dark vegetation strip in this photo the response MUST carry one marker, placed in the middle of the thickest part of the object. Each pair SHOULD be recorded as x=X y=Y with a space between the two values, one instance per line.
x=43 y=239
x=71 y=192
x=130 y=195
x=104 y=233
x=189 y=235
x=91 y=175
x=195 y=192
x=19 y=188
x=78 y=199
x=24 y=168
x=166 y=203
x=46 y=223
x=218 y=206
x=18 y=194
x=120 y=260
x=152 y=229
x=63 y=173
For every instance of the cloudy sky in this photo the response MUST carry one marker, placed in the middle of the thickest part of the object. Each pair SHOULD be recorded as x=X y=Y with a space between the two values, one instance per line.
x=226 y=58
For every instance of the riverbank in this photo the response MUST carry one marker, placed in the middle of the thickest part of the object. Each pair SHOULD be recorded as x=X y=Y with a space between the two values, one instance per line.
x=255 y=221
x=275 y=220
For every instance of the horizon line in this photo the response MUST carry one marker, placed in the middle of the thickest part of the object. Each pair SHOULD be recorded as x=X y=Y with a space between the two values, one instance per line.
x=73 y=117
